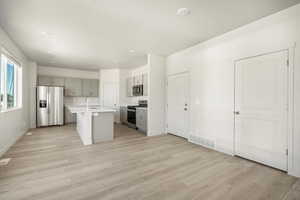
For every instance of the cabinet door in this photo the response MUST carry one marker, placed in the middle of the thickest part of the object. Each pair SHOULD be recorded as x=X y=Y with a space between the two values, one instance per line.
x=44 y=80
x=73 y=87
x=145 y=84
x=90 y=87
x=144 y=122
x=69 y=117
x=135 y=80
x=129 y=87
x=58 y=81
x=123 y=113
x=141 y=119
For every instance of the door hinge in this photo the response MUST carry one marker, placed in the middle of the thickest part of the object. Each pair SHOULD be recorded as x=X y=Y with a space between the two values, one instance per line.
x=287 y=152
x=288 y=63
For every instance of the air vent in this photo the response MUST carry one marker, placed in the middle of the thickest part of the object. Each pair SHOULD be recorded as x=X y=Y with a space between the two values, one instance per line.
x=202 y=141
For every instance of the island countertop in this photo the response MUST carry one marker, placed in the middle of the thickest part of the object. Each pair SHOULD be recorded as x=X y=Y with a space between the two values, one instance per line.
x=91 y=108
x=94 y=123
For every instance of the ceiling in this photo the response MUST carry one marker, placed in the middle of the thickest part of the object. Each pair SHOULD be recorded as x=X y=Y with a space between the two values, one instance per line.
x=92 y=34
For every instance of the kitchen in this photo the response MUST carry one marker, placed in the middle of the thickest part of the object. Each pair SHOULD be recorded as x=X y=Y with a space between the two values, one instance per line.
x=85 y=98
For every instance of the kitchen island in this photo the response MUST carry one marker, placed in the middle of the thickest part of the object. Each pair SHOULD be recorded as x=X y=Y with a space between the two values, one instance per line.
x=94 y=124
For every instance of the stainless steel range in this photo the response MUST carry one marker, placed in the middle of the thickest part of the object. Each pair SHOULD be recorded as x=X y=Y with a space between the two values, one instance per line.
x=131 y=113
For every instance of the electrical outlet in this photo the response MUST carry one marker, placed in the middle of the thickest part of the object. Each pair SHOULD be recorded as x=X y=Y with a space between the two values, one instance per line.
x=29 y=133
x=4 y=161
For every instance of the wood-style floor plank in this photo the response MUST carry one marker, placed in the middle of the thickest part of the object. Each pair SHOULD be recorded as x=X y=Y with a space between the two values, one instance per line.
x=52 y=164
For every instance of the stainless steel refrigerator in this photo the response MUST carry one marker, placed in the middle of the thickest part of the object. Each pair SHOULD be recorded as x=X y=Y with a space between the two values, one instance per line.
x=50 y=106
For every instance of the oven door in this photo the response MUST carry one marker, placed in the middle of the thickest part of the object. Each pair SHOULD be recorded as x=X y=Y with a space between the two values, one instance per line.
x=131 y=118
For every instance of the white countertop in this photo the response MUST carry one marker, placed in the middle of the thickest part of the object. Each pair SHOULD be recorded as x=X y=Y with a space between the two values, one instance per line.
x=92 y=109
x=141 y=108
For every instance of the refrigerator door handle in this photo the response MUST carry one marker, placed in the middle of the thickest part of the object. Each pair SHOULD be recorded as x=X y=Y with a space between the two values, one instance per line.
x=48 y=103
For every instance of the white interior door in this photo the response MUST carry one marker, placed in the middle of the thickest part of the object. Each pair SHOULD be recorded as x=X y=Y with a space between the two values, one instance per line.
x=178 y=102
x=261 y=103
x=109 y=94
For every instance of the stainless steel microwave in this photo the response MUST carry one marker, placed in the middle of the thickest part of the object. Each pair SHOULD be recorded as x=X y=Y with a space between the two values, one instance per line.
x=137 y=90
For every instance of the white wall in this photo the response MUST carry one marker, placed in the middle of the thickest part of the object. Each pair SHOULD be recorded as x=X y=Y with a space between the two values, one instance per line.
x=64 y=72
x=14 y=124
x=211 y=67
x=156 y=93
x=32 y=84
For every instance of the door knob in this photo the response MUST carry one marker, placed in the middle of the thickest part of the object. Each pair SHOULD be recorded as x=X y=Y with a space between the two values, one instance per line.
x=237 y=112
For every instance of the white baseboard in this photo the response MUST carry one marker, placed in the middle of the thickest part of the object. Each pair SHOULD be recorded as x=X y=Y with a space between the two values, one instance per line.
x=224 y=150
x=205 y=142
x=155 y=133
x=9 y=144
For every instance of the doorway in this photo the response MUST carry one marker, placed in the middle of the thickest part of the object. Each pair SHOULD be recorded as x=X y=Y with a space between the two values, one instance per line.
x=178 y=105
x=261 y=109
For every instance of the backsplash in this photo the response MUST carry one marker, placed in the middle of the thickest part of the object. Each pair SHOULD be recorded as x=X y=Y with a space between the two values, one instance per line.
x=81 y=100
x=135 y=100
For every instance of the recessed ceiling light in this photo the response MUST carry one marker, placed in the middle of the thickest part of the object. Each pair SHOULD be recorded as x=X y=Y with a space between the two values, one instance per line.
x=183 y=12
x=131 y=51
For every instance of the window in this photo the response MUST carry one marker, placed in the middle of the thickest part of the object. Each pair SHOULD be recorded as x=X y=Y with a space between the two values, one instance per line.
x=10 y=84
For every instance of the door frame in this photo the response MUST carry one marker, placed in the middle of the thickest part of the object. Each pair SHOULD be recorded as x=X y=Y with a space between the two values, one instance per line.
x=187 y=73
x=290 y=101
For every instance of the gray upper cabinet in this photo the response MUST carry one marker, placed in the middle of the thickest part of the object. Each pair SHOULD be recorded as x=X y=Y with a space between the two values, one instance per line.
x=73 y=87
x=58 y=81
x=51 y=81
x=44 y=80
x=90 y=88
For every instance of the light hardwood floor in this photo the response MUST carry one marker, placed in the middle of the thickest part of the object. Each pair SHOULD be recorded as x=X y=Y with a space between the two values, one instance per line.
x=53 y=164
